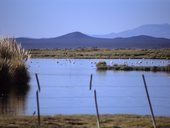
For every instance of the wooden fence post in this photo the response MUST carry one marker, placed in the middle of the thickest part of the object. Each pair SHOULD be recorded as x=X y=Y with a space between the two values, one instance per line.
x=38 y=108
x=149 y=101
x=91 y=79
x=97 y=110
x=38 y=83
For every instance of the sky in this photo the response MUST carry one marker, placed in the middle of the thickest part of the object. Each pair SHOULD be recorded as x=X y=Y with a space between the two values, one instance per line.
x=51 y=18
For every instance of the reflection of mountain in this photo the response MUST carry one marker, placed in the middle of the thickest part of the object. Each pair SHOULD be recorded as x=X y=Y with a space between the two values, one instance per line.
x=77 y=39
x=12 y=102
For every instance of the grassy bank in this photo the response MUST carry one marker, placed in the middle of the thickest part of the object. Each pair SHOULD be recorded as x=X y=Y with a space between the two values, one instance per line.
x=13 y=71
x=101 y=53
x=83 y=121
x=103 y=66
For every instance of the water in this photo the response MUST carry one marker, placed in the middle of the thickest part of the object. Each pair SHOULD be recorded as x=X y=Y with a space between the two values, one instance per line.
x=65 y=88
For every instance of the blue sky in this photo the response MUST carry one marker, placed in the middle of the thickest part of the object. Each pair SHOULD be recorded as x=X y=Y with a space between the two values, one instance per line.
x=50 y=18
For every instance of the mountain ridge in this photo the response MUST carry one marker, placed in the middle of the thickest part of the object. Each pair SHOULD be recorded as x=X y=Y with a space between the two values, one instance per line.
x=78 y=39
x=154 y=30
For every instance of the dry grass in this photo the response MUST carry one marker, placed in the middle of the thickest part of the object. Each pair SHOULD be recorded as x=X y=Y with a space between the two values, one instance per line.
x=102 y=53
x=83 y=121
x=11 y=50
x=12 y=63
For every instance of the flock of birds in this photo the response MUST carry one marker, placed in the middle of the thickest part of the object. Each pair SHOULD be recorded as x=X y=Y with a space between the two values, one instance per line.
x=92 y=62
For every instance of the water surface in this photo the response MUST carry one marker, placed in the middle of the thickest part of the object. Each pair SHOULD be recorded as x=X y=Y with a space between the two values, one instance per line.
x=65 y=87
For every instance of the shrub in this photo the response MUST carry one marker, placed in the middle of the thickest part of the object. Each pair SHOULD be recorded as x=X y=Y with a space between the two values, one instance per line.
x=101 y=65
x=13 y=70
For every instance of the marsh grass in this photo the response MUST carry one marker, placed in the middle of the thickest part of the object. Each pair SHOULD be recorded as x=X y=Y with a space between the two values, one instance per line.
x=103 y=66
x=84 y=121
x=93 y=53
x=13 y=71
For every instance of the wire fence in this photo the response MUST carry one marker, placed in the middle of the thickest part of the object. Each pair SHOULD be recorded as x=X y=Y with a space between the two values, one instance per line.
x=159 y=101
x=72 y=94
x=105 y=92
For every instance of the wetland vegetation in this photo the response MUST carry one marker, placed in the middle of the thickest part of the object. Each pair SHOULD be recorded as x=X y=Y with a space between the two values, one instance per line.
x=13 y=71
x=101 y=53
x=102 y=65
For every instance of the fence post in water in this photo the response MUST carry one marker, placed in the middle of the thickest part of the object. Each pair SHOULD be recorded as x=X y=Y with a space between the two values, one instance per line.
x=90 y=84
x=97 y=111
x=38 y=83
x=149 y=101
x=38 y=109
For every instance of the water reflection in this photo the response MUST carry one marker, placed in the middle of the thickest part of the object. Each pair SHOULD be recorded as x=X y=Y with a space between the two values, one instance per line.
x=12 y=101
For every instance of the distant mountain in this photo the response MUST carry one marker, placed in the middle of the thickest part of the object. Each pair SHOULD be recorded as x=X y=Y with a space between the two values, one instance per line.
x=154 y=30
x=78 y=39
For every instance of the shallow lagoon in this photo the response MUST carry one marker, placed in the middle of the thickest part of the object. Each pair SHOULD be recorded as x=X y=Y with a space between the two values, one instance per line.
x=65 y=88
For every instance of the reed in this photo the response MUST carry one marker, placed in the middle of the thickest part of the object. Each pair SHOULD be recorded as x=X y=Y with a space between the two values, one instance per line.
x=13 y=70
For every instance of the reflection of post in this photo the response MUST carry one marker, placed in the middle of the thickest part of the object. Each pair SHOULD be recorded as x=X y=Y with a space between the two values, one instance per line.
x=38 y=83
x=38 y=108
x=91 y=78
x=97 y=111
x=150 y=105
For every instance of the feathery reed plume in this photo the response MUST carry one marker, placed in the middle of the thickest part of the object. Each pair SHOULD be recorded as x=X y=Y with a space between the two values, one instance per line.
x=12 y=63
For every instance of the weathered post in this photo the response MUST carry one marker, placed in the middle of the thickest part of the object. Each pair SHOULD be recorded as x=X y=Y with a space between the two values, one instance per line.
x=38 y=109
x=149 y=101
x=91 y=79
x=97 y=110
x=38 y=83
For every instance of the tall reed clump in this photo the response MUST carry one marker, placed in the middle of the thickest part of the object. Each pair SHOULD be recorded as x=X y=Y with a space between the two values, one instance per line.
x=13 y=71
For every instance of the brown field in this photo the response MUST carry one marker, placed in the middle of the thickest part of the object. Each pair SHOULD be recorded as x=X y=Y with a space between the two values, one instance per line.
x=91 y=53
x=83 y=121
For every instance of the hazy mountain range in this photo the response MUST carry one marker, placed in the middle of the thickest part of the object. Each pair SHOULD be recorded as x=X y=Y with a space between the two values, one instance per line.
x=141 y=37
x=154 y=30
